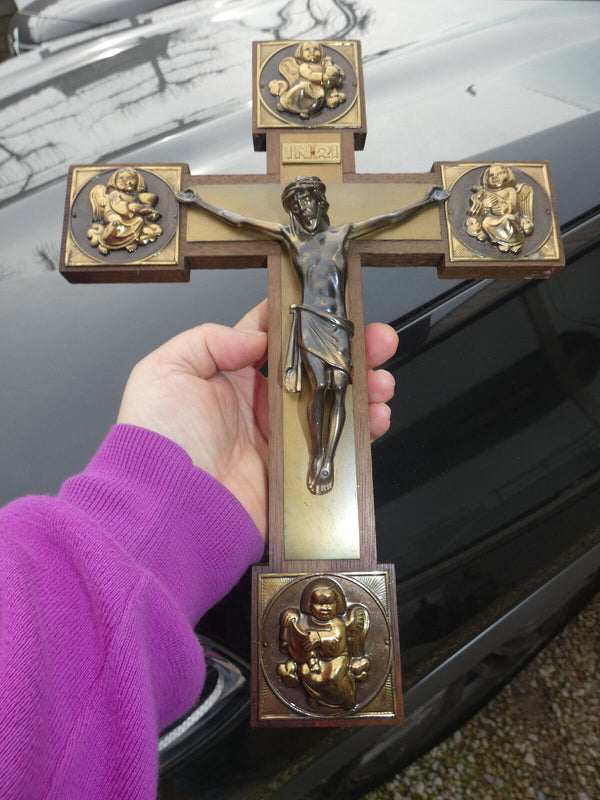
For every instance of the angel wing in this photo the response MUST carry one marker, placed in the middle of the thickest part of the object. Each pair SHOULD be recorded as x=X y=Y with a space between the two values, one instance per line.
x=357 y=629
x=525 y=200
x=98 y=200
x=289 y=69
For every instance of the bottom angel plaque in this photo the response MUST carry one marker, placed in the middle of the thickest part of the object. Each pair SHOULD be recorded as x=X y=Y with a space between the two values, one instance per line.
x=327 y=648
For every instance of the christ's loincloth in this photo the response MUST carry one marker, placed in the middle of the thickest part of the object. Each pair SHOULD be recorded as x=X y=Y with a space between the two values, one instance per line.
x=323 y=335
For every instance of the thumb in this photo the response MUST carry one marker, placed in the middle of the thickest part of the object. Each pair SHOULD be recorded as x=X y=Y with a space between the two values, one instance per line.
x=207 y=349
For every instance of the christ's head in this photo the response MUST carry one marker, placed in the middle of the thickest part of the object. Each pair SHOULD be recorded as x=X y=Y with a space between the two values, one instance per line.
x=305 y=201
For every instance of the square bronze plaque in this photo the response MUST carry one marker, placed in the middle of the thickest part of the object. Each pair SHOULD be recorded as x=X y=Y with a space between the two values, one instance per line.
x=501 y=211
x=112 y=234
x=301 y=89
x=326 y=649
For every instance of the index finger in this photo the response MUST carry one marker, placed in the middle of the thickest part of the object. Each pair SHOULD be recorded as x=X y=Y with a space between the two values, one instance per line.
x=256 y=319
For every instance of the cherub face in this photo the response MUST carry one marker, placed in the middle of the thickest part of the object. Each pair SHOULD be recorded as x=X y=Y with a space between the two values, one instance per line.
x=322 y=604
x=497 y=176
x=311 y=51
x=126 y=180
x=306 y=208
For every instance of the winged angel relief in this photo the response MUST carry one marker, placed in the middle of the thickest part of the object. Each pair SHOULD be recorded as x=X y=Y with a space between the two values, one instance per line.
x=501 y=211
x=325 y=640
x=123 y=213
x=312 y=81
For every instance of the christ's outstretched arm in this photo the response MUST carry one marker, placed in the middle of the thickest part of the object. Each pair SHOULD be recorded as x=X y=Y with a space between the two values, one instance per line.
x=435 y=195
x=273 y=229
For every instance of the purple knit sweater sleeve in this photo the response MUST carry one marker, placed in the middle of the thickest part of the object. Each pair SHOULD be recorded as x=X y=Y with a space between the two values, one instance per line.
x=99 y=591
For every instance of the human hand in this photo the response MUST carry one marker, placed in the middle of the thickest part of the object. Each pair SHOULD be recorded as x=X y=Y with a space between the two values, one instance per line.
x=202 y=390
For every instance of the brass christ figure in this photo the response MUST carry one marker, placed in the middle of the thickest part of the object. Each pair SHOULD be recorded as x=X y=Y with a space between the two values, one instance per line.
x=321 y=331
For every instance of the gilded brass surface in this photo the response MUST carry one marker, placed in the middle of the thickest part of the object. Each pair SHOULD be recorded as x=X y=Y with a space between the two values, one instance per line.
x=325 y=646
x=114 y=215
x=500 y=212
x=310 y=80
x=311 y=152
x=123 y=213
x=325 y=640
x=345 y=201
x=320 y=339
x=308 y=84
x=298 y=153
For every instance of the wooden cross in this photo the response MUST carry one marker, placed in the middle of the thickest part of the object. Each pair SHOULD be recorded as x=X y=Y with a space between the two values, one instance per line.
x=325 y=640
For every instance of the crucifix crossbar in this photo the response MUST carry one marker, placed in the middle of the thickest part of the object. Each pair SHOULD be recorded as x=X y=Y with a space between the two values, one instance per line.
x=325 y=640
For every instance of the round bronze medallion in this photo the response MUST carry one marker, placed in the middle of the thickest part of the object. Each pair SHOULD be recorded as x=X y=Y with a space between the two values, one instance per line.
x=343 y=667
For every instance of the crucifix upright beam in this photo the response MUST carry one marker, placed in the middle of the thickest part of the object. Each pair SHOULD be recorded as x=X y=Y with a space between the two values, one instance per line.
x=325 y=640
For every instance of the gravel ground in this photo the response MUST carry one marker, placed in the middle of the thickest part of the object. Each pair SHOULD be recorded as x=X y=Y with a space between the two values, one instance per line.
x=539 y=738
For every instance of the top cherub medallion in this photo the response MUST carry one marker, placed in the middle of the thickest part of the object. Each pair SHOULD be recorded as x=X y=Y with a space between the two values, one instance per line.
x=308 y=84
x=312 y=81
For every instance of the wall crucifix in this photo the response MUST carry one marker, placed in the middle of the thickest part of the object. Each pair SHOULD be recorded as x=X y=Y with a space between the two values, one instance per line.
x=325 y=640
